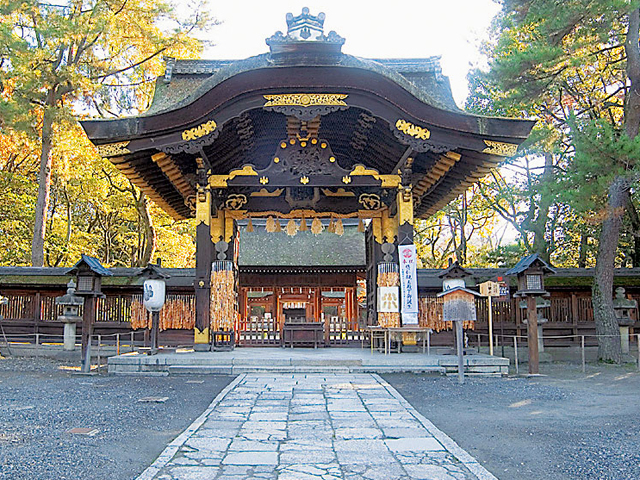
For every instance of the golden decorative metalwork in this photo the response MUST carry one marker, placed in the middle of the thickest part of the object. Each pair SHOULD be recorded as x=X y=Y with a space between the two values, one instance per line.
x=500 y=148
x=346 y=179
x=388 y=181
x=341 y=192
x=413 y=130
x=246 y=171
x=304 y=180
x=199 y=131
x=332 y=159
x=264 y=180
x=405 y=206
x=370 y=201
x=265 y=193
x=113 y=149
x=276 y=159
x=203 y=206
x=235 y=201
x=305 y=99
x=220 y=181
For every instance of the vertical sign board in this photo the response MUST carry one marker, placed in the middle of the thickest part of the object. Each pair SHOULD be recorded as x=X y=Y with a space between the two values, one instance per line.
x=408 y=284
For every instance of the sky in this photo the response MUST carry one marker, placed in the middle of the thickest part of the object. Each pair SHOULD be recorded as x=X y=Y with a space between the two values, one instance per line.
x=453 y=29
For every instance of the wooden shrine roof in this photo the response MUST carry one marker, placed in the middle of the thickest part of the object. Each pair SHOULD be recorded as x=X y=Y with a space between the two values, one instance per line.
x=374 y=113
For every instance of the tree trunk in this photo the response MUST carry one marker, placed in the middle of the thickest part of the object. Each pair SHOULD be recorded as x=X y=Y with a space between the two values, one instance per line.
x=142 y=205
x=539 y=226
x=602 y=291
x=44 y=187
x=584 y=243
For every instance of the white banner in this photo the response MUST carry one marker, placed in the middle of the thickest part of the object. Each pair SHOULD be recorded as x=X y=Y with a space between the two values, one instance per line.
x=408 y=283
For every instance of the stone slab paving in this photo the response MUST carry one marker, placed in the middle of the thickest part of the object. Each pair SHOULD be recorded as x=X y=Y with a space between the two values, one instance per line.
x=313 y=427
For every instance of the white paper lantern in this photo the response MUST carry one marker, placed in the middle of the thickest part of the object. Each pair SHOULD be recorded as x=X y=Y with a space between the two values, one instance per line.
x=154 y=295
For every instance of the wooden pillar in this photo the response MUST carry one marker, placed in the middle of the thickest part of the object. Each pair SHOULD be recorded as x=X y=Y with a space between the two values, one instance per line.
x=204 y=257
x=532 y=335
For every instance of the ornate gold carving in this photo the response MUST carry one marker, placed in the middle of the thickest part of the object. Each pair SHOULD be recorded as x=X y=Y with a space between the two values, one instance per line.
x=341 y=192
x=113 y=149
x=265 y=193
x=370 y=201
x=264 y=180
x=199 y=131
x=331 y=159
x=305 y=99
x=276 y=160
x=346 y=179
x=500 y=148
x=412 y=130
x=304 y=180
x=235 y=201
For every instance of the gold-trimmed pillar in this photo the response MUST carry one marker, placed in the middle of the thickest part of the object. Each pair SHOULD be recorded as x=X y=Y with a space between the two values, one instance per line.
x=204 y=257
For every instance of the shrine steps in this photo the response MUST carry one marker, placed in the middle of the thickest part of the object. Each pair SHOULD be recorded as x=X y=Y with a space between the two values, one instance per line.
x=323 y=361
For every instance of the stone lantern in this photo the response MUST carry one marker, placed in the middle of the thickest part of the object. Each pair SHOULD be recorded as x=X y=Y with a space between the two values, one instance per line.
x=530 y=272
x=71 y=304
x=623 y=307
x=89 y=272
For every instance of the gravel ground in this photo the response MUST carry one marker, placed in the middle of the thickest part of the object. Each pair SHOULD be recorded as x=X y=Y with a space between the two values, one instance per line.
x=40 y=402
x=565 y=425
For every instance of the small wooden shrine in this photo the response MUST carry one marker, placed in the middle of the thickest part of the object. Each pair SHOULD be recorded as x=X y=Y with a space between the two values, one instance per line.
x=301 y=137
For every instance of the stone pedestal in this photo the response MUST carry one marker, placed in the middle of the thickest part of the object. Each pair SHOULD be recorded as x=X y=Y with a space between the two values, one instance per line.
x=624 y=339
x=69 y=336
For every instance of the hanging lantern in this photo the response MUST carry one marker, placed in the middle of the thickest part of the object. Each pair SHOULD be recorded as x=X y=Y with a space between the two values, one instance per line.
x=303 y=225
x=316 y=226
x=271 y=225
x=331 y=228
x=278 y=226
x=360 y=225
x=339 y=229
x=292 y=228
x=250 y=225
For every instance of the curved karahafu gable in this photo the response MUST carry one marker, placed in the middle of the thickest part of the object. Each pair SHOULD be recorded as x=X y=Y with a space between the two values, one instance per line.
x=385 y=123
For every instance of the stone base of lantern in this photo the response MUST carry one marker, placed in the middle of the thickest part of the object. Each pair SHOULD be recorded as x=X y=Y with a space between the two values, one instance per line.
x=624 y=339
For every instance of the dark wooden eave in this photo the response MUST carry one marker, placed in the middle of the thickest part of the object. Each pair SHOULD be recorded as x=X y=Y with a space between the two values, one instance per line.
x=247 y=134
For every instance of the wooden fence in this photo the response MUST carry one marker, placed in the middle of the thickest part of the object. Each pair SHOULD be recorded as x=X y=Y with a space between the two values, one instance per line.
x=28 y=313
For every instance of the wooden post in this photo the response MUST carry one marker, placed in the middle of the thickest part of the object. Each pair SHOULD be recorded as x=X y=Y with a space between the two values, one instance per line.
x=490 y=328
x=204 y=257
x=88 y=315
x=155 y=326
x=460 y=348
x=532 y=335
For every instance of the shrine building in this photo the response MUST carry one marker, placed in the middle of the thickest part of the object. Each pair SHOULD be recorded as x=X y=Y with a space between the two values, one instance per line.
x=302 y=143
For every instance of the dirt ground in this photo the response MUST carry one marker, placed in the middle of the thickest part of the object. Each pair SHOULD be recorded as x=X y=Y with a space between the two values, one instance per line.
x=565 y=425
x=41 y=400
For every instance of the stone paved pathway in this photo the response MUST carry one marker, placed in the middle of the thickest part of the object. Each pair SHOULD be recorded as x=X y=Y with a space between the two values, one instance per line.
x=313 y=426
